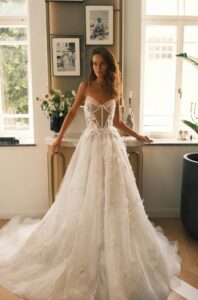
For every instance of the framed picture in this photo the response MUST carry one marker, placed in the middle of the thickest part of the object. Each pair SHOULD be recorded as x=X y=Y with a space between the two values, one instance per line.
x=66 y=56
x=64 y=0
x=99 y=24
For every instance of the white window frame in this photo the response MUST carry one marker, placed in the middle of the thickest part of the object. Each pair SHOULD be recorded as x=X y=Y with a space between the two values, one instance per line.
x=180 y=22
x=20 y=21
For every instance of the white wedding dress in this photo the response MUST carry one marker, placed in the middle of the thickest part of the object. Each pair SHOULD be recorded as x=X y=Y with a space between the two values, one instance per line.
x=95 y=242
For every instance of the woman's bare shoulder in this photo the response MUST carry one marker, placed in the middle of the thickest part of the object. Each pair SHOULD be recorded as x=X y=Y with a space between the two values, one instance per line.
x=83 y=85
x=82 y=90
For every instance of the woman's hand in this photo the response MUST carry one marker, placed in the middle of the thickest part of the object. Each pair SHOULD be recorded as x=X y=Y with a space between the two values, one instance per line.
x=144 y=138
x=56 y=143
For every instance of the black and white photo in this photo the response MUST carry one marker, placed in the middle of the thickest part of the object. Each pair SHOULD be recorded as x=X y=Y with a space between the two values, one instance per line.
x=99 y=24
x=66 y=56
x=64 y=0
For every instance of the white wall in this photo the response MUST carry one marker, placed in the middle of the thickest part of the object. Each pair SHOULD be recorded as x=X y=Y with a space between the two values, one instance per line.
x=162 y=178
x=132 y=50
x=23 y=170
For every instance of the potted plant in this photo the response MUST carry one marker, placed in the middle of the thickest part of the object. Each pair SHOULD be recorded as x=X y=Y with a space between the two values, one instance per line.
x=55 y=105
x=189 y=192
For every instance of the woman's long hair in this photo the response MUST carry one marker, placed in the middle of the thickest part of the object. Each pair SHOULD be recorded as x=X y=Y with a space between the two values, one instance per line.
x=112 y=78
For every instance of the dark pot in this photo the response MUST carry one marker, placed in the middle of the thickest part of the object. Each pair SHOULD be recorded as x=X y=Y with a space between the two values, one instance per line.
x=189 y=194
x=56 y=123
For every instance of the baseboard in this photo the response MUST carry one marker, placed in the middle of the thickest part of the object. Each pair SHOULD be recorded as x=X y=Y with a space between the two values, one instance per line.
x=8 y=214
x=163 y=213
x=186 y=290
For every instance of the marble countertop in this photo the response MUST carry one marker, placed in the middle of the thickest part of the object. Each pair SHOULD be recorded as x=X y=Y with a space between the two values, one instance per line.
x=71 y=141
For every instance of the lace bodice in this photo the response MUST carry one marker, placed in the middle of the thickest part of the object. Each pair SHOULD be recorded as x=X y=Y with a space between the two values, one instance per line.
x=98 y=115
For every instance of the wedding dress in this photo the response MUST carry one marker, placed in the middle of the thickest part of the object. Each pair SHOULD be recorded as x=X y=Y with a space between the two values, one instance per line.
x=95 y=242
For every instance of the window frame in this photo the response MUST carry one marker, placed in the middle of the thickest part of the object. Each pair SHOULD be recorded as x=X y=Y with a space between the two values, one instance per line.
x=164 y=17
x=180 y=22
x=20 y=21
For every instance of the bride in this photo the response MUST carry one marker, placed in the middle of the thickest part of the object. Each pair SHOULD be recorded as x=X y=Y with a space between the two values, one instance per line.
x=95 y=242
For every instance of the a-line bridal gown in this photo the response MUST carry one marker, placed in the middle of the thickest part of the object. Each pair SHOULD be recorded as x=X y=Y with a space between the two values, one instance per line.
x=95 y=242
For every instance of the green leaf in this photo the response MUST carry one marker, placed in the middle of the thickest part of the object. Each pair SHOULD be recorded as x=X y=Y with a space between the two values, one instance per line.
x=191 y=125
x=182 y=55
x=192 y=60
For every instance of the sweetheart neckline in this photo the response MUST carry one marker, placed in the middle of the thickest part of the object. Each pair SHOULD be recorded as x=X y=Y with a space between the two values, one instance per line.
x=100 y=104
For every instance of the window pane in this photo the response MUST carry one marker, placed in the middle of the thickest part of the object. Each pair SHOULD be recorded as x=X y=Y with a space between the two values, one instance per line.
x=172 y=7
x=162 y=7
x=191 y=7
x=159 y=81
x=13 y=7
x=13 y=74
x=191 y=35
x=13 y=77
x=190 y=74
x=13 y=34
x=13 y=124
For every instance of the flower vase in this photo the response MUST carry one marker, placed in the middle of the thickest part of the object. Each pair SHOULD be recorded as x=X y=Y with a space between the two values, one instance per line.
x=56 y=123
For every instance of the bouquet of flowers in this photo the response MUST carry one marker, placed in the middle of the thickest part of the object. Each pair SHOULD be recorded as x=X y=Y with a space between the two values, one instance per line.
x=55 y=103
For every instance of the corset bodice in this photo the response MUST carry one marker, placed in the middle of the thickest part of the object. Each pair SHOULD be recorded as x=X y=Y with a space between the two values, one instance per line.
x=99 y=115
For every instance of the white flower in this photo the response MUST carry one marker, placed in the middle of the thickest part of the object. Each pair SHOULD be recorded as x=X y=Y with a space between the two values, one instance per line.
x=60 y=114
x=73 y=93
x=58 y=91
x=51 y=106
x=51 y=98
x=62 y=105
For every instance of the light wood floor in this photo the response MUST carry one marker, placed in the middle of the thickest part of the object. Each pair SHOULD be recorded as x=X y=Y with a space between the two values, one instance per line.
x=188 y=250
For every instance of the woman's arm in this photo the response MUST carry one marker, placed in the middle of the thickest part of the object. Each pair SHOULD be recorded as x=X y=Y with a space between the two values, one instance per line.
x=122 y=126
x=71 y=114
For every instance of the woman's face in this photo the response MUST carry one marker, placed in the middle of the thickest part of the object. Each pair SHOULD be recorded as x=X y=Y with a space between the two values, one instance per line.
x=100 y=66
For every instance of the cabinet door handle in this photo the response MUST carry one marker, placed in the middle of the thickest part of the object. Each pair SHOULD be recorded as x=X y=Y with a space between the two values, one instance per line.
x=180 y=93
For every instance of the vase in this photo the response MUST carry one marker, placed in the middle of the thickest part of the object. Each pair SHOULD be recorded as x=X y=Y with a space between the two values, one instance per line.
x=56 y=123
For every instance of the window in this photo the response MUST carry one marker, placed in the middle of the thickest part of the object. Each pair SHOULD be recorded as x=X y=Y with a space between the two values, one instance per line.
x=171 y=7
x=15 y=105
x=169 y=84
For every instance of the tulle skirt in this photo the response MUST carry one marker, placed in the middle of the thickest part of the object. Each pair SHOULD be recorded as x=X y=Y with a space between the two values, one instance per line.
x=95 y=242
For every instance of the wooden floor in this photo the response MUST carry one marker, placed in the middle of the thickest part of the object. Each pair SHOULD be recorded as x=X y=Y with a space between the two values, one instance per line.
x=188 y=250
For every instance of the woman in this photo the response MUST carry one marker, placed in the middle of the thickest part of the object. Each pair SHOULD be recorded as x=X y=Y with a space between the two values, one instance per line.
x=95 y=242
x=104 y=84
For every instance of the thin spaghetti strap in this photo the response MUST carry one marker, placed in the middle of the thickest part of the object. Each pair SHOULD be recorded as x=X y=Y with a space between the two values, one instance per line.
x=88 y=85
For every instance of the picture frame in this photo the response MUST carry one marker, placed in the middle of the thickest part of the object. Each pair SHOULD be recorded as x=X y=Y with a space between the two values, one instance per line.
x=99 y=24
x=64 y=0
x=65 y=56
